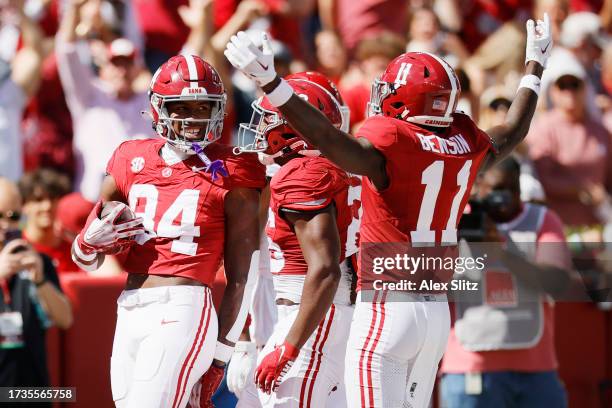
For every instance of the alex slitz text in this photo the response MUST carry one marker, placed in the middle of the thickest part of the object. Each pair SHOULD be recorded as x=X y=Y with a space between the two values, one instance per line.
x=428 y=285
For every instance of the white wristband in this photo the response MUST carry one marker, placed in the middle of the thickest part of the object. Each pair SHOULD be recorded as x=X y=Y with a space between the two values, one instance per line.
x=532 y=82
x=223 y=352
x=281 y=94
x=245 y=347
x=81 y=255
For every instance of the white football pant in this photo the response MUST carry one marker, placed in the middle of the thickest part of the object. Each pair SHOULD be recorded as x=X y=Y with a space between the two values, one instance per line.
x=393 y=351
x=315 y=378
x=164 y=341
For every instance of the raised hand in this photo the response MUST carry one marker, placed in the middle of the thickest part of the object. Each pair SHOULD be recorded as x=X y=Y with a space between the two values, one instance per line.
x=245 y=56
x=539 y=41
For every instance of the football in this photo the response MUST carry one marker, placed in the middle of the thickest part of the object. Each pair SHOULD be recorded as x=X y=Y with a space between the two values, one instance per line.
x=109 y=206
x=126 y=215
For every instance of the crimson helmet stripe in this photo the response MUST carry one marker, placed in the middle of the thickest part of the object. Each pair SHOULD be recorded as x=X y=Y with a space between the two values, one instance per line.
x=193 y=71
x=452 y=78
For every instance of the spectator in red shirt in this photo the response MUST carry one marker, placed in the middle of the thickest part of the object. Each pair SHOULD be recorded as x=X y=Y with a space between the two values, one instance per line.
x=373 y=54
x=357 y=20
x=282 y=19
x=47 y=125
x=41 y=191
x=481 y=18
x=331 y=55
x=163 y=29
x=426 y=35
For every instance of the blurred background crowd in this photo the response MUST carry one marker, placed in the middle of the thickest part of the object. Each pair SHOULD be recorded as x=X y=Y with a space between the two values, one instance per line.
x=74 y=76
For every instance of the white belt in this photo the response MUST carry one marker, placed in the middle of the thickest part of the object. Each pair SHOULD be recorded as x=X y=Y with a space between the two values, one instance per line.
x=161 y=294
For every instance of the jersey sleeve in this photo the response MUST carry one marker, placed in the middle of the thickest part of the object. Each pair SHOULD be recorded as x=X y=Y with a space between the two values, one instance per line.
x=245 y=171
x=307 y=185
x=381 y=132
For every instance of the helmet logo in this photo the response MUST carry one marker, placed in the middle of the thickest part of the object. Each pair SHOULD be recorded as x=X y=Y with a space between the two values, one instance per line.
x=137 y=164
x=402 y=74
x=439 y=104
x=194 y=91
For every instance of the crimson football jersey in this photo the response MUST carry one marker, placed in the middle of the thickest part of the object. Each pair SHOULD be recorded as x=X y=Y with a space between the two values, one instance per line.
x=430 y=180
x=304 y=184
x=182 y=207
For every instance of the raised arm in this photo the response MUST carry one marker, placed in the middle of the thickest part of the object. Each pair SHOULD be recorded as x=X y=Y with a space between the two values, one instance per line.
x=76 y=77
x=356 y=156
x=26 y=66
x=508 y=135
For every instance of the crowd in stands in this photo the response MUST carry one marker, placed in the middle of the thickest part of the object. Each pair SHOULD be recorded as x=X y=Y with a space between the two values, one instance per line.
x=74 y=76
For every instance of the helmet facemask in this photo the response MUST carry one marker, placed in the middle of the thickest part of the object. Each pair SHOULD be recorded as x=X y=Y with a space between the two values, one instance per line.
x=253 y=136
x=210 y=129
x=380 y=90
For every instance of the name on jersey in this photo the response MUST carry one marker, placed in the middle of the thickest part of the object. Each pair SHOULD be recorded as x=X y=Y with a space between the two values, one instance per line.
x=455 y=145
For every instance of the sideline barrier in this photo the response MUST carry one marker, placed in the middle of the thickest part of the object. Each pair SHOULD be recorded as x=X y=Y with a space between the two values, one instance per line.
x=80 y=357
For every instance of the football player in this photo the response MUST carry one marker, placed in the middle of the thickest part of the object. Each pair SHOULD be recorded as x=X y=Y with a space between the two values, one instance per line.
x=263 y=312
x=303 y=360
x=354 y=194
x=420 y=158
x=196 y=205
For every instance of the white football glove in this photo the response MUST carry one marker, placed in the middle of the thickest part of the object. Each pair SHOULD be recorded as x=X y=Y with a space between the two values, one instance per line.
x=101 y=235
x=247 y=57
x=241 y=366
x=539 y=41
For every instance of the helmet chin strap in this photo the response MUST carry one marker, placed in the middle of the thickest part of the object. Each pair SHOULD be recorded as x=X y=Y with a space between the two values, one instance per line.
x=216 y=168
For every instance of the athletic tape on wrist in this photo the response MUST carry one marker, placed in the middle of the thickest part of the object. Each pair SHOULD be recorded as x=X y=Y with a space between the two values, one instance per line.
x=83 y=256
x=223 y=352
x=281 y=94
x=532 y=82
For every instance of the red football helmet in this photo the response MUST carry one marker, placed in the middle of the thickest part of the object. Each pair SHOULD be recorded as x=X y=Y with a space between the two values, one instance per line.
x=325 y=83
x=270 y=134
x=417 y=87
x=187 y=78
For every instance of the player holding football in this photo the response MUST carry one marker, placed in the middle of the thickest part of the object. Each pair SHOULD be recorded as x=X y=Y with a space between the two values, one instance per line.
x=198 y=204
x=303 y=360
x=420 y=158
